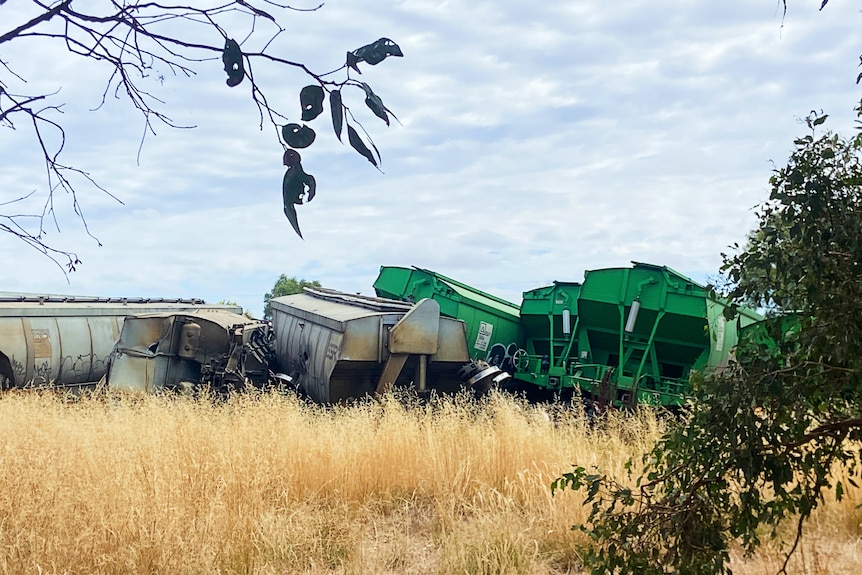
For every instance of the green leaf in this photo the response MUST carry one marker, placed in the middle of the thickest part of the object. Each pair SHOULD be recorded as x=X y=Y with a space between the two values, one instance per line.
x=232 y=58
x=311 y=100
x=796 y=177
x=337 y=112
x=820 y=119
x=375 y=52
x=359 y=145
x=297 y=136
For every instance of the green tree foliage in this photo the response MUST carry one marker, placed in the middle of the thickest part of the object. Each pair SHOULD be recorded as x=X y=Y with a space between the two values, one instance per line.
x=285 y=286
x=762 y=441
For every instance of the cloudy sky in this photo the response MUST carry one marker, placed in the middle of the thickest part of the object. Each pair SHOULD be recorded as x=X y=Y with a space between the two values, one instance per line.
x=537 y=140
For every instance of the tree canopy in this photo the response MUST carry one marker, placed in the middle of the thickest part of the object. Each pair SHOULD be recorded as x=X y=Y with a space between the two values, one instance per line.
x=764 y=440
x=139 y=44
x=285 y=286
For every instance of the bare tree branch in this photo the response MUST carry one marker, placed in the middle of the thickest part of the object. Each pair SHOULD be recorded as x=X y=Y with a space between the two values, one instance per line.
x=134 y=40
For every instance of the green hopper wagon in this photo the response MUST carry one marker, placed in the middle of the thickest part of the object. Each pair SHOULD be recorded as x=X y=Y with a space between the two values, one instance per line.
x=624 y=335
x=494 y=331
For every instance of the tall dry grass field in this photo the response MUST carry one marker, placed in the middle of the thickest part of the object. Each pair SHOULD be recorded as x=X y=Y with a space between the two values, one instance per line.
x=268 y=484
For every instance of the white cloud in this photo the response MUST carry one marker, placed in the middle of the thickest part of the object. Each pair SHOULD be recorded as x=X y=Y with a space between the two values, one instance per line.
x=537 y=140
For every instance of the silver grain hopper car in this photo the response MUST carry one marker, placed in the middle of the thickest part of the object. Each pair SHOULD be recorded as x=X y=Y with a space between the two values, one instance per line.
x=185 y=351
x=65 y=340
x=337 y=346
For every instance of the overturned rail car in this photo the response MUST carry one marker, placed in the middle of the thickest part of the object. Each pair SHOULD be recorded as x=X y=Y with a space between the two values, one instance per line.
x=66 y=340
x=184 y=351
x=337 y=346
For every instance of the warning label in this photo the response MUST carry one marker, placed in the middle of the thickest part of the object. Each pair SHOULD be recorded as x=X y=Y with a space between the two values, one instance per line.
x=41 y=343
x=483 y=338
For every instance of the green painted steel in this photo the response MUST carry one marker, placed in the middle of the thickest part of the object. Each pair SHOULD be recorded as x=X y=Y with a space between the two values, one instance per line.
x=625 y=335
x=494 y=329
x=622 y=336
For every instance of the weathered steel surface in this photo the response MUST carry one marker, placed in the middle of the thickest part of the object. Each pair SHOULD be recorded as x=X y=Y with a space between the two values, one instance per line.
x=336 y=345
x=417 y=332
x=217 y=348
x=66 y=340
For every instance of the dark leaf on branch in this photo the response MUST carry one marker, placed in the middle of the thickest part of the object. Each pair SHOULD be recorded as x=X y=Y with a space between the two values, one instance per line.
x=232 y=58
x=290 y=212
x=374 y=103
x=359 y=145
x=352 y=62
x=311 y=100
x=376 y=52
x=337 y=112
x=297 y=136
x=134 y=42
x=295 y=186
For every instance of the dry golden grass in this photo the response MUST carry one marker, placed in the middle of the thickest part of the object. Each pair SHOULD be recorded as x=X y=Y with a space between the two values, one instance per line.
x=268 y=484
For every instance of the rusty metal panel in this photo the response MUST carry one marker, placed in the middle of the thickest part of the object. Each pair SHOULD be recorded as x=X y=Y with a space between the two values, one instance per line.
x=132 y=372
x=182 y=350
x=452 y=342
x=144 y=335
x=362 y=341
x=417 y=331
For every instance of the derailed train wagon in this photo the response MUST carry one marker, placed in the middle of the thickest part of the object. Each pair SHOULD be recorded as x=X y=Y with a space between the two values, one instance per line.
x=337 y=346
x=185 y=351
x=625 y=335
x=58 y=341
x=494 y=330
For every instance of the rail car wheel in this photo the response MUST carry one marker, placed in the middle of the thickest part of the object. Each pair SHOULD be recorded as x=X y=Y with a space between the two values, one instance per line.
x=521 y=360
x=481 y=377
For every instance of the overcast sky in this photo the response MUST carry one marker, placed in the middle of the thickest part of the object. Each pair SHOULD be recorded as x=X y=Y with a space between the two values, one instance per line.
x=537 y=140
